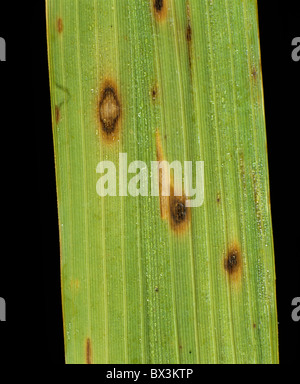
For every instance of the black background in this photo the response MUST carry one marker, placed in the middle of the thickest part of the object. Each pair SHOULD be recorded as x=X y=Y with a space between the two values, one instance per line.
x=29 y=261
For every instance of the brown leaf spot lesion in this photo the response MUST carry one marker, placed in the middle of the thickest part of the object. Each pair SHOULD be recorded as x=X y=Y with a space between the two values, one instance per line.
x=88 y=351
x=59 y=25
x=254 y=73
x=109 y=110
x=160 y=8
x=233 y=263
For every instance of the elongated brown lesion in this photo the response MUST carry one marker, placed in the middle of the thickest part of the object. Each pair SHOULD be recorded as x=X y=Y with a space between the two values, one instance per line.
x=109 y=111
x=59 y=25
x=88 y=351
x=254 y=73
x=172 y=208
x=57 y=114
x=189 y=33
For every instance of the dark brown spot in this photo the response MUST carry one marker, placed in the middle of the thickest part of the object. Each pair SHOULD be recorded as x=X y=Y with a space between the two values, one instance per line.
x=218 y=197
x=254 y=325
x=109 y=112
x=88 y=351
x=154 y=92
x=57 y=114
x=158 y=4
x=233 y=263
x=179 y=213
x=180 y=346
x=59 y=25
x=156 y=289
x=160 y=9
